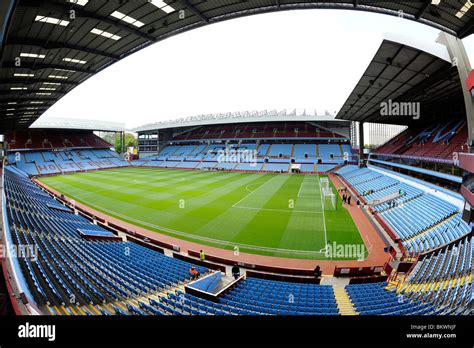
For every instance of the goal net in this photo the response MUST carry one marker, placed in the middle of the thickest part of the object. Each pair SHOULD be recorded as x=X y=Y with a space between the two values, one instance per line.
x=324 y=182
x=328 y=199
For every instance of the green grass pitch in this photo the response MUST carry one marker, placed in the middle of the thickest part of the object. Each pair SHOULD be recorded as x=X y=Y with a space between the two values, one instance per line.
x=262 y=213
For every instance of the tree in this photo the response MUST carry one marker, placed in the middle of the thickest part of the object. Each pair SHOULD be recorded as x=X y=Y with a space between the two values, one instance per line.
x=114 y=138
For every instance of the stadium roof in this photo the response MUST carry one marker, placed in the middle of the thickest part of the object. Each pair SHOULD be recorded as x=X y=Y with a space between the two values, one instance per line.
x=405 y=71
x=50 y=46
x=79 y=124
x=240 y=117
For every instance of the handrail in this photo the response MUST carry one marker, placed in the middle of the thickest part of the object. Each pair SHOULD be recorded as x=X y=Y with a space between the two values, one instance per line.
x=420 y=158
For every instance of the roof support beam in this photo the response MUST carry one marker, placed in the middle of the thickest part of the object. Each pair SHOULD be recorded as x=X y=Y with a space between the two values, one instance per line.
x=414 y=93
x=42 y=66
x=50 y=45
x=423 y=9
x=23 y=99
x=63 y=9
x=32 y=81
x=194 y=10
x=29 y=93
x=467 y=30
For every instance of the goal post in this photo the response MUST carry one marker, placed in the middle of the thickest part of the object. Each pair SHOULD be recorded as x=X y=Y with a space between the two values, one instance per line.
x=328 y=198
x=324 y=183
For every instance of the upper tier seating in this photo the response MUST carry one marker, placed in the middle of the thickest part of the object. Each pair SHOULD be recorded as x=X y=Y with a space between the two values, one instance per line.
x=266 y=130
x=38 y=139
x=435 y=141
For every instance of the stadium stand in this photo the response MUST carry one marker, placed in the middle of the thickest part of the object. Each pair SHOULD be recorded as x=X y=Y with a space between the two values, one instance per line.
x=72 y=264
x=373 y=299
x=91 y=272
x=277 y=297
x=72 y=151
x=73 y=267
x=151 y=284
x=278 y=156
x=258 y=297
x=438 y=141
x=278 y=144
x=443 y=278
x=85 y=268
x=45 y=162
x=303 y=151
x=50 y=139
x=421 y=220
x=440 y=283
x=280 y=150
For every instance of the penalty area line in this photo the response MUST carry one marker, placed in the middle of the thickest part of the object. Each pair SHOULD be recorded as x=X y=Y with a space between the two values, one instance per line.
x=280 y=210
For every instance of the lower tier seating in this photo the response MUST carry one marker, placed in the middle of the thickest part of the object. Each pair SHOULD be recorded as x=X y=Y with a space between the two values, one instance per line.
x=373 y=299
x=56 y=162
x=69 y=270
x=443 y=278
x=421 y=220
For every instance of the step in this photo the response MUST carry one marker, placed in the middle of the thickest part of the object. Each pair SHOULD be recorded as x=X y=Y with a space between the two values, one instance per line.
x=344 y=302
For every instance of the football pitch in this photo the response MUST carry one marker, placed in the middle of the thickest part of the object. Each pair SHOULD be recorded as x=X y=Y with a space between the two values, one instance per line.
x=262 y=213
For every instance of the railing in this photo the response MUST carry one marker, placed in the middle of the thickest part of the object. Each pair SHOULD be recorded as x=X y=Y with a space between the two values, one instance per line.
x=418 y=158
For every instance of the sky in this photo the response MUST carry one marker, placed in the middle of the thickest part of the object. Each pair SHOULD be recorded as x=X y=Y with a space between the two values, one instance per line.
x=293 y=59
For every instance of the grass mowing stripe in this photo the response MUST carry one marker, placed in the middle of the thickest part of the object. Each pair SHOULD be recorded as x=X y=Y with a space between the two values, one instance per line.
x=300 y=227
x=209 y=216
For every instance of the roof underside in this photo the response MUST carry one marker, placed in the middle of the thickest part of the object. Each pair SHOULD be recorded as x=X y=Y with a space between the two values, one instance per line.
x=403 y=74
x=183 y=127
x=51 y=123
x=43 y=81
x=295 y=115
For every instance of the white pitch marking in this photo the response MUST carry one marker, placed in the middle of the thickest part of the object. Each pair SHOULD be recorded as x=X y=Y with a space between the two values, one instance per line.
x=207 y=239
x=283 y=210
x=304 y=196
x=324 y=216
x=252 y=192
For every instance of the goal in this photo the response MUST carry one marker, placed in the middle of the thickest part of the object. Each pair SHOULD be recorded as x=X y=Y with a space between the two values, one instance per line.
x=328 y=198
x=324 y=182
